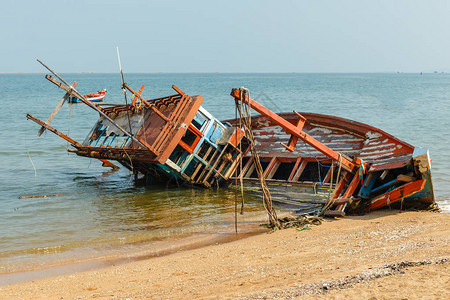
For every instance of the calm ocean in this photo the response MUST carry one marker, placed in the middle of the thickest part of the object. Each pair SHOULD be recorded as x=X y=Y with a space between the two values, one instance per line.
x=102 y=213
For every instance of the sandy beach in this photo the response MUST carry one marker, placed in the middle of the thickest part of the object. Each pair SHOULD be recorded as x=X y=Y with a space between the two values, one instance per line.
x=383 y=255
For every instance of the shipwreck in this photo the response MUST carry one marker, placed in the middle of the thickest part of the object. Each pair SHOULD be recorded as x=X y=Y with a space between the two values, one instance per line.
x=316 y=164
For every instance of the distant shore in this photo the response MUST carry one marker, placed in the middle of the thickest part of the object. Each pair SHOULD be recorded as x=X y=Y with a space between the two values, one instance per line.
x=383 y=254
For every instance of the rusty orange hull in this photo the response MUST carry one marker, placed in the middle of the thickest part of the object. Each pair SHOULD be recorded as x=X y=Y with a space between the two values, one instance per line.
x=302 y=178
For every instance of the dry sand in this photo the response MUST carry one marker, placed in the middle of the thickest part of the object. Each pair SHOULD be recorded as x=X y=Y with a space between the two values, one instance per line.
x=383 y=255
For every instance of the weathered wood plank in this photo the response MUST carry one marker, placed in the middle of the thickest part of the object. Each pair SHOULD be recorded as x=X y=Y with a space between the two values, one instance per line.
x=405 y=178
x=294 y=169
x=58 y=133
x=300 y=170
x=334 y=213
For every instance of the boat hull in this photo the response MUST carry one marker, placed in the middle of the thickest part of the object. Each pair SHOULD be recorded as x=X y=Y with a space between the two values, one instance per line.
x=95 y=97
x=396 y=171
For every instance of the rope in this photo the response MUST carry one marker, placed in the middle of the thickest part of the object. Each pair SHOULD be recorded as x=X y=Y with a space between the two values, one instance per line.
x=131 y=165
x=235 y=187
x=34 y=167
x=303 y=221
x=29 y=157
x=330 y=199
x=70 y=118
x=320 y=179
x=236 y=184
x=245 y=118
x=241 y=175
x=128 y=109
x=235 y=204
x=68 y=130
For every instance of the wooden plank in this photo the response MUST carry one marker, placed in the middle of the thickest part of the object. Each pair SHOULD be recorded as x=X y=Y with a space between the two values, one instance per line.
x=329 y=174
x=107 y=163
x=369 y=182
x=273 y=169
x=207 y=152
x=349 y=191
x=58 y=133
x=250 y=171
x=200 y=164
x=340 y=186
x=294 y=169
x=334 y=213
x=56 y=110
x=300 y=170
x=209 y=164
x=246 y=167
x=397 y=194
x=136 y=97
x=293 y=139
x=216 y=162
x=221 y=167
x=269 y=167
x=343 y=200
x=351 y=187
x=233 y=167
x=405 y=178
x=177 y=90
x=385 y=186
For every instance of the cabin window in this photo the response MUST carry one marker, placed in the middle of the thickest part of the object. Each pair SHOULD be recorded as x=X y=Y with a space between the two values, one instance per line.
x=215 y=133
x=199 y=120
x=191 y=167
x=206 y=151
x=179 y=155
x=190 y=139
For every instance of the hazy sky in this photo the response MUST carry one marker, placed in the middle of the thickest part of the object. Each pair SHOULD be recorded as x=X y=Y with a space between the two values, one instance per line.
x=226 y=36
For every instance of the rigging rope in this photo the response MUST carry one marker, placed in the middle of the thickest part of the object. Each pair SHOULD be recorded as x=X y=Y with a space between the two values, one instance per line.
x=34 y=167
x=245 y=120
x=68 y=130
x=235 y=186
x=330 y=199
x=241 y=175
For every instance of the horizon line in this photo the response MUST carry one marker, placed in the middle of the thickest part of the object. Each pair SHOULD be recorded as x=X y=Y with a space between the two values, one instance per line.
x=293 y=72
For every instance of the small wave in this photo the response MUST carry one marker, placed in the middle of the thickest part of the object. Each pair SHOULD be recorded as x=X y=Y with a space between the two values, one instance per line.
x=444 y=204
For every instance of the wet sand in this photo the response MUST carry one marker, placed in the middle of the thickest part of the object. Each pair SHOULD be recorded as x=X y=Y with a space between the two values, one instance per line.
x=384 y=254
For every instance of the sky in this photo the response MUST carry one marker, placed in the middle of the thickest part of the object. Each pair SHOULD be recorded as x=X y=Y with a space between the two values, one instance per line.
x=226 y=36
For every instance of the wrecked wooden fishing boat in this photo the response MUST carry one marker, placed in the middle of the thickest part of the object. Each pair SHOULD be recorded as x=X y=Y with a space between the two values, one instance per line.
x=326 y=164
x=166 y=139
x=313 y=163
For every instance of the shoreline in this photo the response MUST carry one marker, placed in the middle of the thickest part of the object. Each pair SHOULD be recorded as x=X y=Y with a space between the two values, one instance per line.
x=333 y=259
x=163 y=248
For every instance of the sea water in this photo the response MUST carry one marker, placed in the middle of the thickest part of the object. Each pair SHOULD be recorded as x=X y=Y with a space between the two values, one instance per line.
x=101 y=213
